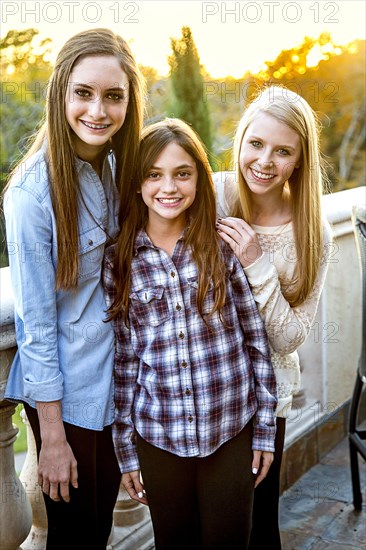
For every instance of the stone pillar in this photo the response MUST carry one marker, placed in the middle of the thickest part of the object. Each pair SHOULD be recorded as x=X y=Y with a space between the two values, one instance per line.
x=37 y=537
x=132 y=528
x=15 y=509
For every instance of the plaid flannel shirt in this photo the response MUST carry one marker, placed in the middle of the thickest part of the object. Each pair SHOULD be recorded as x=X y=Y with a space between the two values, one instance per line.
x=182 y=387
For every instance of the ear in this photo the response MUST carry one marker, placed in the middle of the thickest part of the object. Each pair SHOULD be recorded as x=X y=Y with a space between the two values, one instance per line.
x=138 y=191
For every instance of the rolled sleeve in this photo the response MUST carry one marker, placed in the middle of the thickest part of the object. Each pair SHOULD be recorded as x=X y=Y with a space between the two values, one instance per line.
x=30 y=244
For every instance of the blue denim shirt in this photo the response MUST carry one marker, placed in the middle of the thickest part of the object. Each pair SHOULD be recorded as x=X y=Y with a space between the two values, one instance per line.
x=65 y=350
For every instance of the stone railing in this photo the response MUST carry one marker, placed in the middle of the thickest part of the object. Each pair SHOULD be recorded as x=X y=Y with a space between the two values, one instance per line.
x=328 y=359
x=329 y=356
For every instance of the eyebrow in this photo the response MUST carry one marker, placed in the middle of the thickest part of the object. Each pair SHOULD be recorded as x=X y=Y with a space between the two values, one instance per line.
x=278 y=146
x=112 y=88
x=176 y=167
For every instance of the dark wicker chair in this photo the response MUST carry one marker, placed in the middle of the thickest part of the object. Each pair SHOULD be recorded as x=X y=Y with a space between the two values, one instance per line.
x=356 y=435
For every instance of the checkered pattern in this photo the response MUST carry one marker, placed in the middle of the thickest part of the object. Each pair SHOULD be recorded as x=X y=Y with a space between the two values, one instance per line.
x=185 y=388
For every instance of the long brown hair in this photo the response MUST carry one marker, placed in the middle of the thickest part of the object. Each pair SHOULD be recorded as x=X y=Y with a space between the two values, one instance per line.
x=305 y=184
x=201 y=234
x=56 y=134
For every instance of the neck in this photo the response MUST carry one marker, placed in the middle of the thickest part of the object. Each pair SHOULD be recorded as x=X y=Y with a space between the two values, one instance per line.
x=271 y=210
x=164 y=235
x=95 y=158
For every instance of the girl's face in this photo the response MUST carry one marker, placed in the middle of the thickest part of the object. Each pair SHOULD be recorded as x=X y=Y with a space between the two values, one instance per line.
x=96 y=103
x=169 y=187
x=269 y=153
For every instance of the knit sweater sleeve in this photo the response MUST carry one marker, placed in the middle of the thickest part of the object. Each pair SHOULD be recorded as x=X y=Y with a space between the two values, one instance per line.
x=287 y=327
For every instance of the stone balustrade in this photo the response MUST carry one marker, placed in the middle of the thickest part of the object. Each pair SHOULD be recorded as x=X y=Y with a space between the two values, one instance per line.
x=328 y=360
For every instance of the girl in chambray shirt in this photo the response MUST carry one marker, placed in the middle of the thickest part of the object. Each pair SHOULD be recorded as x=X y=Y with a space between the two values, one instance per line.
x=61 y=208
x=194 y=386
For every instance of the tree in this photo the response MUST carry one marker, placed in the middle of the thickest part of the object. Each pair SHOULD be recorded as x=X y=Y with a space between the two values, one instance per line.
x=25 y=69
x=186 y=74
x=332 y=79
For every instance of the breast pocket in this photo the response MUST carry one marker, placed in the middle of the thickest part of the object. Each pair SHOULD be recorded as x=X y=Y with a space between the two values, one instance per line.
x=209 y=298
x=149 y=306
x=91 y=250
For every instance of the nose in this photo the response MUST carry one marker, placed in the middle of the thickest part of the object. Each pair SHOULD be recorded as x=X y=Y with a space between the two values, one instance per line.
x=168 y=184
x=97 y=108
x=266 y=158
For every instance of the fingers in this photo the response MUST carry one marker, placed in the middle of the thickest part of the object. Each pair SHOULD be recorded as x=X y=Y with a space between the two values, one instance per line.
x=74 y=475
x=241 y=238
x=134 y=487
x=64 y=492
x=235 y=224
x=256 y=462
x=262 y=461
x=54 y=494
x=60 y=489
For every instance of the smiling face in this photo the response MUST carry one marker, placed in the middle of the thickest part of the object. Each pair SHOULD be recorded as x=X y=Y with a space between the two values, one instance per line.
x=169 y=187
x=96 y=103
x=269 y=153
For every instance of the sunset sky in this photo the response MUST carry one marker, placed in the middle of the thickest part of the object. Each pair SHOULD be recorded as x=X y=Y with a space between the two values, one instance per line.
x=231 y=37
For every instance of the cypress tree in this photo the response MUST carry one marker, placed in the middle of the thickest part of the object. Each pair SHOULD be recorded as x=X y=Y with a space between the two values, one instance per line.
x=186 y=77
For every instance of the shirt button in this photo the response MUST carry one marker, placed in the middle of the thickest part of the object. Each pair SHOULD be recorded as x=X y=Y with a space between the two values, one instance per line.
x=184 y=364
x=190 y=418
x=90 y=242
x=178 y=307
x=188 y=392
x=181 y=335
x=172 y=274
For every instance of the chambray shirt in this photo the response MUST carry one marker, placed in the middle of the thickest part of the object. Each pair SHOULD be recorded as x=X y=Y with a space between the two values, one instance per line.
x=65 y=350
x=184 y=388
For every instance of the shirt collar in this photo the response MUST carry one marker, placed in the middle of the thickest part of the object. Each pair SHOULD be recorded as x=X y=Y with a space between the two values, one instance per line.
x=143 y=240
x=79 y=163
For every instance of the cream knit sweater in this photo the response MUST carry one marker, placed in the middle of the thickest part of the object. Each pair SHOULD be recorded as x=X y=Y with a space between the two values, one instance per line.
x=272 y=274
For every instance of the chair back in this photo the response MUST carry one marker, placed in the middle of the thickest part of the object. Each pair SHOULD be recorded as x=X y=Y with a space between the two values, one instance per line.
x=359 y=226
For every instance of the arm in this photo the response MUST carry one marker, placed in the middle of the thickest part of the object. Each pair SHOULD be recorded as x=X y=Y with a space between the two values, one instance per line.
x=126 y=365
x=264 y=427
x=287 y=327
x=29 y=237
x=257 y=345
x=57 y=466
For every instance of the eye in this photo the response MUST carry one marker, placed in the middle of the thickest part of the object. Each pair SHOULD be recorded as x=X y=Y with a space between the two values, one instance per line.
x=284 y=152
x=152 y=175
x=116 y=96
x=183 y=174
x=255 y=143
x=82 y=92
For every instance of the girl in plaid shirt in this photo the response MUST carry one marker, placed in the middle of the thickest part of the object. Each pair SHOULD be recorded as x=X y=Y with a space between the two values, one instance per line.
x=194 y=385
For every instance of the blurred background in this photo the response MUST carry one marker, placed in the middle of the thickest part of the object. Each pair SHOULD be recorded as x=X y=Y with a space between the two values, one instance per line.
x=203 y=62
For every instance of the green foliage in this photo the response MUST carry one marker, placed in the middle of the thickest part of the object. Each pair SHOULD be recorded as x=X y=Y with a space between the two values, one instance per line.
x=186 y=76
x=25 y=70
x=20 y=444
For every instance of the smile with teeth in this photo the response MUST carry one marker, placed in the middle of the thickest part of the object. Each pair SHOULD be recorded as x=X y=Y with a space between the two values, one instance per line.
x=94 y=126
x=262 y=175
x=169 y=201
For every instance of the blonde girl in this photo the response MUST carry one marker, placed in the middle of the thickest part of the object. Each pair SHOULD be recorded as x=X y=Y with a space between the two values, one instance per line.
x=61 y=210
x=270 y=207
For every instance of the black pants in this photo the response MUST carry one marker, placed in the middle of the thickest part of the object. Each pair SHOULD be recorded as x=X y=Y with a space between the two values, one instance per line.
x=85 y=521
x=266 y=531
x=200 y=503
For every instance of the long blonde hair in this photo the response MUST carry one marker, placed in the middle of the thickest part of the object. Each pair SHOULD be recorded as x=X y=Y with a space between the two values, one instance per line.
x=56 y=134
x=305 y=184
x=201 y=234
